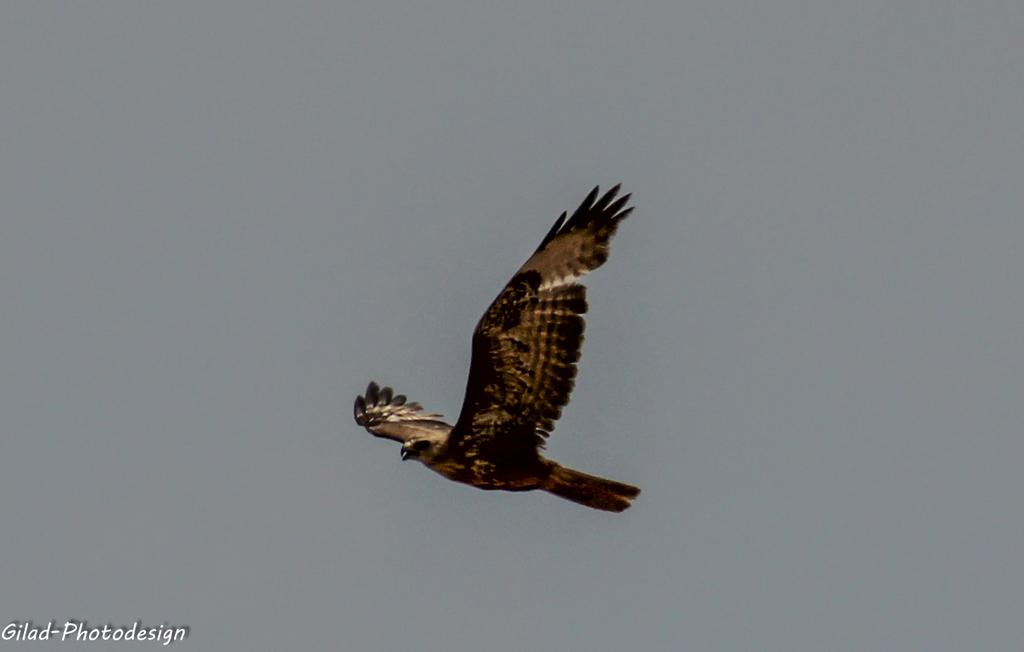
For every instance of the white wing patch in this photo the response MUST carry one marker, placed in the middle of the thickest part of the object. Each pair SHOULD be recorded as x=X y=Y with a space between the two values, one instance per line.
x=408 y=412
x=560 y=281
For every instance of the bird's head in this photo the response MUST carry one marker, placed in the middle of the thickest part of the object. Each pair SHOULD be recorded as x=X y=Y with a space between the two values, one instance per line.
x=422 y=448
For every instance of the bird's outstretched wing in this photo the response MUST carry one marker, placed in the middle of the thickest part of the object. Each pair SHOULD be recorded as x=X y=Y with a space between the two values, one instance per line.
x=526 y=345
x=388 y=415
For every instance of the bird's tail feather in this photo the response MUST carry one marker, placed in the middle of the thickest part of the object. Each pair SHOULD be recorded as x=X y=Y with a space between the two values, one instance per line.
x=590 y=490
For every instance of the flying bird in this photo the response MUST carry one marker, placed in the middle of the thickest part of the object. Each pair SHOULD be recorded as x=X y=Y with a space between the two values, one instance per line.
x=523 y=367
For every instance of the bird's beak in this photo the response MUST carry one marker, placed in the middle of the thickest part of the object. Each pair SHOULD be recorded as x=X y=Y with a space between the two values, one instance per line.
x=405 y=453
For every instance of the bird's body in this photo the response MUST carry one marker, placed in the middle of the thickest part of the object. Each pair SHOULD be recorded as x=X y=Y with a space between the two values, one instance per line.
x=523 y=367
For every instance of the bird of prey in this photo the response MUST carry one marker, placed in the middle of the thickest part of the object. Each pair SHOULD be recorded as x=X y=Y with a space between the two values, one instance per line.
x=522 y=369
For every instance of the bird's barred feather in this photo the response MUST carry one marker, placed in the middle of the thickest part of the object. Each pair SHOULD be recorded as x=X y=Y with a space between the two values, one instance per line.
x=528 y=342
x=388 y=415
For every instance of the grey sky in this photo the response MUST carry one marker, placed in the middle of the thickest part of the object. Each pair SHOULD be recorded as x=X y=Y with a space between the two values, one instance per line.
x=220 y=220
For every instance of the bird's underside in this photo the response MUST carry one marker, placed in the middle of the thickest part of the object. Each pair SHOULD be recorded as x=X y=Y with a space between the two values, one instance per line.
x=523 y=367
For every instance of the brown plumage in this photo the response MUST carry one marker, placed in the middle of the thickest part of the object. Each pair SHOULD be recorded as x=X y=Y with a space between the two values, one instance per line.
x=523 y=367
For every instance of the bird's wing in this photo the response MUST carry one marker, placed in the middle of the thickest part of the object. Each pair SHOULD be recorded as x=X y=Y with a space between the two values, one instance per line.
x=526 y=345
x=388 y=415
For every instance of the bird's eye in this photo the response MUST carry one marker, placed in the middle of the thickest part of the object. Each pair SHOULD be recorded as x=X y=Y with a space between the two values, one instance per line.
x=421 y=445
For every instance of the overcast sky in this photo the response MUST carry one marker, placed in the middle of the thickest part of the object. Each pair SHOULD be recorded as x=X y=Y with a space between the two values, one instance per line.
x=219 y=220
